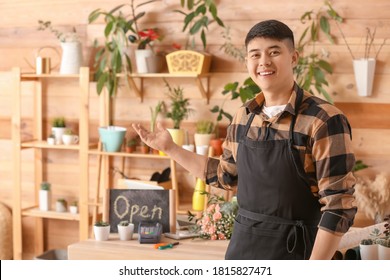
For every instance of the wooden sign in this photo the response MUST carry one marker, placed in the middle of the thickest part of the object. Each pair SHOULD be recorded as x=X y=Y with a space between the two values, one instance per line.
x=141 y=205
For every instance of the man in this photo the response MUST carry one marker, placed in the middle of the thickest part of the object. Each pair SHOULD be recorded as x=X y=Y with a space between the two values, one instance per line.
x=288 y=152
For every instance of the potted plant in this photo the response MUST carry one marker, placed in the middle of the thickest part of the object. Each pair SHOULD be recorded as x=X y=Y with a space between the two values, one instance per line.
x=61 y=205
x=69 y=138
x=198 y=15
x=179 y=110
x=131 y=145
x=203 y=134
x=112 y=59
x=368 y=247
x=125 y=230
x=74 y=207
x=154 y=112
x=45 y=196
x=72 y=56
x=58 y=128
x=145 y=149
x=364 y=68
x=51 y=139
x=384 y=241
x=101 y=230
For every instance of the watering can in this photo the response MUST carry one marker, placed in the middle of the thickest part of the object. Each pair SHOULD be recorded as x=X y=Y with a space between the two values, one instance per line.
x=43 y=63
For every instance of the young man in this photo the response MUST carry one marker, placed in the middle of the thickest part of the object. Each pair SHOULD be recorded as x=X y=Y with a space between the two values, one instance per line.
x=288 y=152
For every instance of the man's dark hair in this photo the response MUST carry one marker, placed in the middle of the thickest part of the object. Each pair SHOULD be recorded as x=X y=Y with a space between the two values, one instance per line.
x=272 y=29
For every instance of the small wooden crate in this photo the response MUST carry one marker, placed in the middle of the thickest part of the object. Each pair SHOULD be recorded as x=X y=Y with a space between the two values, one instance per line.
x=187 y=61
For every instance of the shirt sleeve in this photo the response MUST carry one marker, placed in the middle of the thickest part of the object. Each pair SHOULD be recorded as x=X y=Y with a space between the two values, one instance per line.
x=222 y=172
x=334 y=160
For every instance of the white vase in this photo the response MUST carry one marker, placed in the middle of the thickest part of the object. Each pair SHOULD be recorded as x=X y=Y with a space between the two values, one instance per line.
x=72 y=58
x=44 y=200
x=73 y=209
x=369 y=252
x=126 y=232
x=383 y=252
x=101 y=233
x=58 y=132
x=201 y=139
x=141 y=60
x=60 y=206
x=364 y=70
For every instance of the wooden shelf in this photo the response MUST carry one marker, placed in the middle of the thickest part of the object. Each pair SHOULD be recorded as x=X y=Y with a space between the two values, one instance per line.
x=35 y=212
x=132 y=155
x=199 y=79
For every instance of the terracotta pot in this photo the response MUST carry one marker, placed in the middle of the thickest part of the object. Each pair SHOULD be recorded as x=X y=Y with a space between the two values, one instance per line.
x=145 y=149
x=216 y=144
x=130 y=149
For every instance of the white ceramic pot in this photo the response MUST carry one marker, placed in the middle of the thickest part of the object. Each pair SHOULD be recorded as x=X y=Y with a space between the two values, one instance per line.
x=368 y=252
x=101 y=233
x=70 y=139
x=44 y=200
x=72 y=58
x=58 y=132
x=73 y=209
x=203 y=139
x=126 y=232
x=364 y=70
x=141 y=60
x=383 y=252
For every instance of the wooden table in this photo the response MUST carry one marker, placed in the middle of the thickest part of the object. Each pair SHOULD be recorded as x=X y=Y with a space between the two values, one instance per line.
x=115 y=249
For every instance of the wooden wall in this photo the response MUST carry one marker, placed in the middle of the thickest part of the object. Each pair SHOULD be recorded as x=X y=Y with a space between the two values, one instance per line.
x=20 y=40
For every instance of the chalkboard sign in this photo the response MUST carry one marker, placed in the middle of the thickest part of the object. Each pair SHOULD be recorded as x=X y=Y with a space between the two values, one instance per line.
x=138 y=205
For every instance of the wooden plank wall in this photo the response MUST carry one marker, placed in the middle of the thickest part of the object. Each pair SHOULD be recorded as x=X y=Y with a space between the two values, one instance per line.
x=20 y=40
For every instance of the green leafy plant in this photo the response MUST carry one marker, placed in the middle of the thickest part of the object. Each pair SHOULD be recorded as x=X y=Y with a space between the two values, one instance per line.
x=132 y=142
x=154 y=113
x=45 y=186
x=179 y=107
x=101 y=224
x=62 y=36
x=74 y=203
x=385 y=239
x=198 y=15
x=58 y=122
x=68 y=131
x=204 y=127
x=124 y=223
x=359 y=165
x=113 y=59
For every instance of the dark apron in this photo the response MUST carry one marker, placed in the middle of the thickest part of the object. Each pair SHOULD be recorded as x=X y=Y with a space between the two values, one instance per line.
x=278 y=214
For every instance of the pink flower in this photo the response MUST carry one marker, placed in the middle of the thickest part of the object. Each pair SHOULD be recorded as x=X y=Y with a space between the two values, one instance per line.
x=217 y=216
x=221 y=236
x=210 y=208
x=213 y=237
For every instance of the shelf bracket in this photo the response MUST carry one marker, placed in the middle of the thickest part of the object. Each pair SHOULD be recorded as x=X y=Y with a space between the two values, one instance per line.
x=204 y=91
x=138 y=91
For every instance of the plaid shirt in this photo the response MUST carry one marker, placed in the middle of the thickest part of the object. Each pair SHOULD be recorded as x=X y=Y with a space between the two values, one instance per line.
x=323 y=137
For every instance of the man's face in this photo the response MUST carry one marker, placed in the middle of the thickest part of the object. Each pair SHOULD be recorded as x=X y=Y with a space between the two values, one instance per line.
x=270 y=64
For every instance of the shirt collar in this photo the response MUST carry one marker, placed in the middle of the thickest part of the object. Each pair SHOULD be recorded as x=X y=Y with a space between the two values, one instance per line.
x=255 y=105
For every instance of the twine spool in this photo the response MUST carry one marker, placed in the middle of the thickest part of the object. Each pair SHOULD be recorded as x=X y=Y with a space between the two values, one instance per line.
x=5 y=233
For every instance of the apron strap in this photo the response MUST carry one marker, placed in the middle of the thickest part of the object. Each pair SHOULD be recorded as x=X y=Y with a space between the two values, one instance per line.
x=292 y=234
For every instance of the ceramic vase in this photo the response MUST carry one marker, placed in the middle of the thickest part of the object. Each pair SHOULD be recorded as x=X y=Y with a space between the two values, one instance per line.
x=44 y=200
x=101 y=232
x=126 y=232
x=72 y=58
x=364 y=70
x=369 y=252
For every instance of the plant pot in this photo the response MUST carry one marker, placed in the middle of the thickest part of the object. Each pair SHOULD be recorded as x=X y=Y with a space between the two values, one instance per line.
x=369 y=252
x=145 y=149
x=44 y=200
x=126 y=232
x=73 y=209
x=72 y=58
x=130 y=149
x=216 y=144
x=112 y=138
x=147 y=61
x=203 y=139
x=61 y=206
x=58 y=132
x=364 y=70
x=101 y=233
x=383 y=252
x=68 y=139
x=177 y=136
x=187 y=61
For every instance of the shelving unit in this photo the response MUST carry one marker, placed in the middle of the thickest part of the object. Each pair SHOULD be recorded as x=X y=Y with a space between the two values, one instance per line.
x=39 y=145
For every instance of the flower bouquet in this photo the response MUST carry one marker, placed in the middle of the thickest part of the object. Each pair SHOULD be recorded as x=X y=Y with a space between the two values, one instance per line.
x=217 y=220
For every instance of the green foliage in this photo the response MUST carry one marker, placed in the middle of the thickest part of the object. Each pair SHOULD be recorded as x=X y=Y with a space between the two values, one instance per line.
x=124 y=223
x=359 y=165
x=131 y=142
x=204 y=127
x=179 y=109
x=74 y=203
x=58 y=122
x=200 y=14
x=68 y=131
x=154 y=113
x=62 y=36
x=312 y=67
x=101 y=224
x=45 y=186
x=111 y=59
